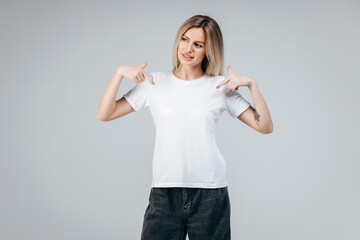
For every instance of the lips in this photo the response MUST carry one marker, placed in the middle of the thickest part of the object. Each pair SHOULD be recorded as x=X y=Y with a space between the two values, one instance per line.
x=187 y=56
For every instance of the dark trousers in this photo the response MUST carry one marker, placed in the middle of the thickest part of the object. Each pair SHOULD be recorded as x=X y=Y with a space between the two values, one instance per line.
x=173 y=212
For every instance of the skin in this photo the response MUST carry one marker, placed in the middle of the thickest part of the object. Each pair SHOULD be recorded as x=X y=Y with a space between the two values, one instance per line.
x=110 y=108
x=251 y=116
x=192 y=45
x=257 y=118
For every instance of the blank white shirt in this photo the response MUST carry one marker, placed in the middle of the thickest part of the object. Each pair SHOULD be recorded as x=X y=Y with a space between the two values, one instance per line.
x=185 y=113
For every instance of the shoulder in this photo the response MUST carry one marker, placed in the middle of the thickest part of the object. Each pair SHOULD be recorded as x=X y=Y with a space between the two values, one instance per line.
x=161 y=74
x=155 y=76
x=158 y=76
x=218 y=79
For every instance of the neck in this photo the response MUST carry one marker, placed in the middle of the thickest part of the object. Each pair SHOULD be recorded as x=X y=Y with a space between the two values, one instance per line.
x=188 y=72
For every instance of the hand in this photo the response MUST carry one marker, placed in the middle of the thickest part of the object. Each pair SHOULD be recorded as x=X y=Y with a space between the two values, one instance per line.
x=135 y=73
x=235 y=81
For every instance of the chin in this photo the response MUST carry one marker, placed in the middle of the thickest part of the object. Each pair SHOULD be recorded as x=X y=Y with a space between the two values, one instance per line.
x=186 y=63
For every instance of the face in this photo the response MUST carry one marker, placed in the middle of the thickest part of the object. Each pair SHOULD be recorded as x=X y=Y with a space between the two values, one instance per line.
x=192 y=44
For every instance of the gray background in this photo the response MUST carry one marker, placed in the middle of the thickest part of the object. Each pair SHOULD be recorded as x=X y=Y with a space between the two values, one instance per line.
x=66 y=175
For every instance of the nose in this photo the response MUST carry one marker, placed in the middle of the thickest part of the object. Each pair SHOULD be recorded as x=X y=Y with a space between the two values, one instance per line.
x=189 y=48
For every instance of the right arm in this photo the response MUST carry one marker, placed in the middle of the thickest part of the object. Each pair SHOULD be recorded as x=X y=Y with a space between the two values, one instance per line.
x=109 y=108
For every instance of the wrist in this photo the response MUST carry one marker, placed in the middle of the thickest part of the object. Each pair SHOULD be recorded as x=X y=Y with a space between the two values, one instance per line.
x=119 y=72
x=251 y=83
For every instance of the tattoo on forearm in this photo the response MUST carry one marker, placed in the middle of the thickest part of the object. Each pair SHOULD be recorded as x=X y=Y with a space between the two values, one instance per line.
x=257 y=116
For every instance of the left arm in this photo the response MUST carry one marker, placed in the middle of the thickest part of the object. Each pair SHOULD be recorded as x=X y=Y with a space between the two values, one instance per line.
x=259 y=117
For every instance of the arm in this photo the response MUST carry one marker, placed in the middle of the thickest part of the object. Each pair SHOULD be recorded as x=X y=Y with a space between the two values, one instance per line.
x=258 y=118
x=109 y=108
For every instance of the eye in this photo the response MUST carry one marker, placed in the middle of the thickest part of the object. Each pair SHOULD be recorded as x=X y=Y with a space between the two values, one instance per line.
x=196 y=44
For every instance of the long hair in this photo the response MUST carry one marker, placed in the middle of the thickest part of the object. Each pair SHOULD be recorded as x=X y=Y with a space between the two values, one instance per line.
x=213 y=61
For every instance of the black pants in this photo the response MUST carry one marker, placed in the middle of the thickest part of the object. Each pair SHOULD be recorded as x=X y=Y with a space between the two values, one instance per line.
x=202 y=213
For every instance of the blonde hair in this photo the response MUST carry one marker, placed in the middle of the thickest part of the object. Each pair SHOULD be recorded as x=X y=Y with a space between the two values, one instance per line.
x=213 y=61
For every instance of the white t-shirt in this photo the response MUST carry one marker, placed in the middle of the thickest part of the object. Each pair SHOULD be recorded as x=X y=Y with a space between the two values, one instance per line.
x=185 y=113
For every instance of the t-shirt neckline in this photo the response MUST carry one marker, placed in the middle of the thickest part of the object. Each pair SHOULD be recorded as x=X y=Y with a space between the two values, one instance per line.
x=187 y=81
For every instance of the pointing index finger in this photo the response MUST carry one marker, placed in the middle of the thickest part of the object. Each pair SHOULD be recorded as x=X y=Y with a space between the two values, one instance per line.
x=149 y=78
x=223 y=82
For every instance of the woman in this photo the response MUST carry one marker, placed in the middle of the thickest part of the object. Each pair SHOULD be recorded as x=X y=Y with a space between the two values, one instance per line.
x=189 y=192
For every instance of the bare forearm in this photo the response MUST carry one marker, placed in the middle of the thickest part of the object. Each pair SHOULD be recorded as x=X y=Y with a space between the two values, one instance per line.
x=108 y=100
x=262 y=114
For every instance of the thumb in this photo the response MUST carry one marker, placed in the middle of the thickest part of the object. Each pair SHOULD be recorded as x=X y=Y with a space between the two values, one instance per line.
x=229 y=69
x=143 y=65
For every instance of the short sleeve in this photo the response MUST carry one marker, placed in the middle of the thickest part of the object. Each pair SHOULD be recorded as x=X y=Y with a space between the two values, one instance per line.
x=138 y=96
x=235 y=103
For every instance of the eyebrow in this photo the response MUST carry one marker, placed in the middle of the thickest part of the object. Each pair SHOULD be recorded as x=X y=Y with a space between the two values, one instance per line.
x=195 y=41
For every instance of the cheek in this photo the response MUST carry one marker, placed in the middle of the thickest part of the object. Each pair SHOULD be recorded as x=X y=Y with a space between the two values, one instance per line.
x=201 y=52
x=181 y=45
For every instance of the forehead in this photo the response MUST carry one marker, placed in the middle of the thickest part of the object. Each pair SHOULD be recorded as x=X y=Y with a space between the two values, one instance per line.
x=196 y=34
